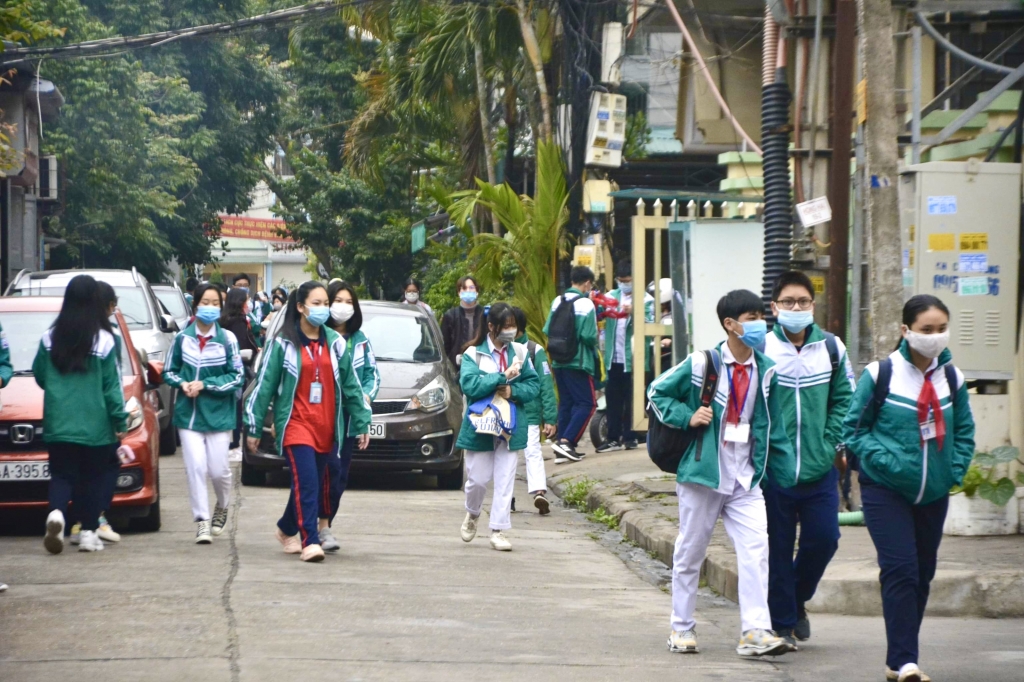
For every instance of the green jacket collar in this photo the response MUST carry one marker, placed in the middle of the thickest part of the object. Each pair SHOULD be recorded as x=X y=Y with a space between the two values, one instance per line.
x=215 y=331
x=814 y=334
x=574 y=290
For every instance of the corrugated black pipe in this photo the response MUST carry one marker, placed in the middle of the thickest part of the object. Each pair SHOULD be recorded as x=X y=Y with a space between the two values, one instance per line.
x=778 y=207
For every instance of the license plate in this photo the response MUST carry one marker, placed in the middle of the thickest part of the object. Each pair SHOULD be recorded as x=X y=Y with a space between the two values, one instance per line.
x=377 y=430
x=25 y=471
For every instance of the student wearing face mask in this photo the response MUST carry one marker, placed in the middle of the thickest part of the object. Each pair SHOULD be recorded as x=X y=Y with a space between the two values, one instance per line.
x=815 y=387
x=496 y=367
x=741 y=434
x=412 y=294
x=346 y=319
x=205 y=366
x=911 y=432
x=462 y=324
x=312 y=383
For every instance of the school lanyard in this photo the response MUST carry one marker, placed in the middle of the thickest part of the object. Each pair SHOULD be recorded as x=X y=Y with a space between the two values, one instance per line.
x=732 y=394
x=316 y=360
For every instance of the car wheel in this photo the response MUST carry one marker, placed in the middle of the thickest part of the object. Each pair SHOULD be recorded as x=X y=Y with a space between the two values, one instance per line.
x=151 y=522
x=450 y=480
x=599 y=428
x=252 y=476
x=168 y=440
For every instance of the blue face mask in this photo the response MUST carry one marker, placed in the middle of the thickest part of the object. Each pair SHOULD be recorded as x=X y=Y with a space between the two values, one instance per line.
x=753 y=333
x=626 y=287
x=795 y=321
x=468 y=296
x=208 y=314
x=318 y=315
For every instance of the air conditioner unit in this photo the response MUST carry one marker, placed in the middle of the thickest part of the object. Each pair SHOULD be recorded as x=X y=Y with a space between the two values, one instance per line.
x=47 y=182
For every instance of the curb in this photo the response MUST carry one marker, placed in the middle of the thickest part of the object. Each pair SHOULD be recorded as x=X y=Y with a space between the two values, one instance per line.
x=848 y=589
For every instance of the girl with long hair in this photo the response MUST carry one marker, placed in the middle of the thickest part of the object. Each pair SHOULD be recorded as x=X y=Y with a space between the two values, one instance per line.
x=236 y=320
x=412 y=294
x=347 y=320
x=315 y=391
x=83 y=411
x=205 y=365
x=911 y=434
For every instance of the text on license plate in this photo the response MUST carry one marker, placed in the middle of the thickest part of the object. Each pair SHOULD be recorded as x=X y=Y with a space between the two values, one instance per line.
x=377 y=430
x=25 y=471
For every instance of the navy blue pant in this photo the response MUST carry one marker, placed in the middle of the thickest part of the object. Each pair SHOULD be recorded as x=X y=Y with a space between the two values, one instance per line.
x=619 y=397
x=791 y=582
x=907 y=538
x=337 y=480
x=576 y=403
x=308 y=483
x=81 y=473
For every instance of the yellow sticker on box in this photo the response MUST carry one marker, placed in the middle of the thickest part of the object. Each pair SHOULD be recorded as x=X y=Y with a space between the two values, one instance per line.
x=941 y=241
x=819 y=285
x=974 y=241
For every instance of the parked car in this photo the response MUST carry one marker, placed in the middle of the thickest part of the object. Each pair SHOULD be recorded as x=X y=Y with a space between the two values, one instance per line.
x=417 y=413
x=150 y=326
x=174 y=302
x=24 y=466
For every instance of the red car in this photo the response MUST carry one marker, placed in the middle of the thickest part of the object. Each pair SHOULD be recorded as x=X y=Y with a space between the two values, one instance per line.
x=24 y=469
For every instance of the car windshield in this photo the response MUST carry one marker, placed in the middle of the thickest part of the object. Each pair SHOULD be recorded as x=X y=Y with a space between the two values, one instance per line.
x=24 y=330
x=400 y=338
x=130 y=300
x=173 y=301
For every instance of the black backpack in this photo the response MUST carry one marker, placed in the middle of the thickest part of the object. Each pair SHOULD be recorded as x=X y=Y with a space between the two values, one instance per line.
x=666 y=445
x=562 y=340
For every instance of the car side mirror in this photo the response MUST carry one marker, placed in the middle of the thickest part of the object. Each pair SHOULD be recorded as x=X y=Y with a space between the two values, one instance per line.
x=167 y=324
x=154 y=374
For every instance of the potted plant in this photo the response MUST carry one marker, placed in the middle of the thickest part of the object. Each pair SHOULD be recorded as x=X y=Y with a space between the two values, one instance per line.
x=986 y=503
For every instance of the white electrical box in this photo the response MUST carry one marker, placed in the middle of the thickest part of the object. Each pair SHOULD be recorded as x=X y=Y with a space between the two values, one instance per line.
x=960 y=229
x=606 y=132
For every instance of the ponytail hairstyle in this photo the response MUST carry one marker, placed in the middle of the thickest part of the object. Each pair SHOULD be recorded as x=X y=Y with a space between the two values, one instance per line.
x=290 y=327
x=77 y=326
x=917 y=305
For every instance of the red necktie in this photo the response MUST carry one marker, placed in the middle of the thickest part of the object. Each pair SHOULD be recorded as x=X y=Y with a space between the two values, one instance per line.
x=740 y=383
x=502 y=361
x=202 y=341
x=929 y=399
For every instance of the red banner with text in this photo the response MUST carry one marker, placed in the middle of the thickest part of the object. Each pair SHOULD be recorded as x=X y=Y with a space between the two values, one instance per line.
x=253 y=228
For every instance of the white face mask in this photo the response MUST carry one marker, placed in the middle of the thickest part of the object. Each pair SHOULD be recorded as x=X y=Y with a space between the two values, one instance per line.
x=342 y=312
x=928 y=345
x=412 y=296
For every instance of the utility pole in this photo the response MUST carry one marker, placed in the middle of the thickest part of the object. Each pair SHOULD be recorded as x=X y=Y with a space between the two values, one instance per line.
x=882 y=187
x=843 y=51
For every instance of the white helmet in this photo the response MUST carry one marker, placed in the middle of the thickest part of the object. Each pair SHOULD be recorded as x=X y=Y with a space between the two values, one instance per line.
x=665 y=292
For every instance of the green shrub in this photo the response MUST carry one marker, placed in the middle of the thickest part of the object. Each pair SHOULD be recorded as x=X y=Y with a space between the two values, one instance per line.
x=981 y=480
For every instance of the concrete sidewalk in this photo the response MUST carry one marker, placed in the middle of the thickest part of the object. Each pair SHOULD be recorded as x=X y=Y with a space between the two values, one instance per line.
x=977 y=576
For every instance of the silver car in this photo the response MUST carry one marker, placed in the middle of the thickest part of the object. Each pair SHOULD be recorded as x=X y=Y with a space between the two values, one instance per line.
x=174 y=302
x=151 y=327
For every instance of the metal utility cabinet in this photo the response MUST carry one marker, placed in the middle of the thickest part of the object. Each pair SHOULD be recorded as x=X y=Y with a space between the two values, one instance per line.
x=960 y=228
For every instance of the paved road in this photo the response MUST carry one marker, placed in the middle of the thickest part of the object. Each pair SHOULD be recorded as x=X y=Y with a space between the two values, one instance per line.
x=404 y=600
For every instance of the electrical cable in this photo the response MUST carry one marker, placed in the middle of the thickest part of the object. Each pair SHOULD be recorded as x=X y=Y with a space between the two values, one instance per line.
x=953 y=49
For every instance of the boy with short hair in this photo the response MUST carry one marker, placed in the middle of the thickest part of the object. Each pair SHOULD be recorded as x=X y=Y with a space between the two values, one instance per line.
x=815 y=389
x=745 y=435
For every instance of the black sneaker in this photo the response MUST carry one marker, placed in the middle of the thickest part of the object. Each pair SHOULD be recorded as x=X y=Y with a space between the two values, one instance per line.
x=611 y=446
x=802 y=630
x=632 y=444
x=566 y=450
x=787 y=635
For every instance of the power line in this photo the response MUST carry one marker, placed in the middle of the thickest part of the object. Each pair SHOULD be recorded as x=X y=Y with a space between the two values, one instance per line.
x=100 y=46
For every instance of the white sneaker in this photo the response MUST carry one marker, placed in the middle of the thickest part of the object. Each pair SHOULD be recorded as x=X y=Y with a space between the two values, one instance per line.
x=3 y=587
x=90 y=542
x=220 y=519
x=683 y=642
x=468 y=530
x=76 y=534
x=909 y=673
x=106 y=533
x=203 y=536
x=760 y=642
x=235 y=455
x=53 y=541
x=500 y=542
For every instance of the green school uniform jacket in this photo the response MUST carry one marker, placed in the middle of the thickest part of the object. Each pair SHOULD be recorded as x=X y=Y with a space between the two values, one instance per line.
x=611 y=327
x=6 y=368
x=87 y=407
x=675 y=396
x=814 y=398
x=544 y=408
x=479 y=378
x=218 y=366
x=278 y=378
x=365 y=364
x=888 y=443
x=586 y=332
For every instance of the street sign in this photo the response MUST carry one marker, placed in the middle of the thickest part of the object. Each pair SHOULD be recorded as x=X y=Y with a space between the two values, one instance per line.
x=814 y=212
x=419 y=236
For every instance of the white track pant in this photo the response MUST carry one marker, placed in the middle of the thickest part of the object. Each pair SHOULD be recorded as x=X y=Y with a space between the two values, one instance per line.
x=499 y=464
x=743 y=514
x=536 y=476
x=206 y=454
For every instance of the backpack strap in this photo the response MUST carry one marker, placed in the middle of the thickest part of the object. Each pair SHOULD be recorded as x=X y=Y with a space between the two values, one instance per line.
x=950 y=371
x=882 y=382
x=833 y=350
x=531 y=347
x=712 y=366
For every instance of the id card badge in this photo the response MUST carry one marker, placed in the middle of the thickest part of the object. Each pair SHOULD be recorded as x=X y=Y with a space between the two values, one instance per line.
x=737 y=433
x=928 y=430
x=316 y=393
